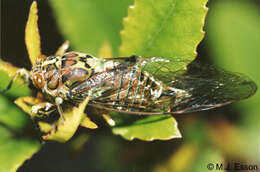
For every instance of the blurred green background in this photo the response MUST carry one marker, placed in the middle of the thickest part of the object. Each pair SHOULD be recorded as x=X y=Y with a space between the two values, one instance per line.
x=227 y=134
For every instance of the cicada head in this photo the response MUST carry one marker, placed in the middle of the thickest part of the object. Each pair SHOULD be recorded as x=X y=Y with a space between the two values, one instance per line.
x=36 y=75
x=45 y=71
x=38 y=80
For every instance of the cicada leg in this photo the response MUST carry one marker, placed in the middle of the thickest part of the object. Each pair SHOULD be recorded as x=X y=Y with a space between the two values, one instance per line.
x=45 y=108
x=58 y=102
x=109 y=120
x=22 y=73
x=42 y=109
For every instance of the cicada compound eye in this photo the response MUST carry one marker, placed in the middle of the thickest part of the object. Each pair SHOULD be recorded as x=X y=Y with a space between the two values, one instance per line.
x=38 y=80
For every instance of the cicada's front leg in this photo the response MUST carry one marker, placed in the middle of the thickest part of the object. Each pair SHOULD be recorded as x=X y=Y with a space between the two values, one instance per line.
x=21 y=73
x=42 y=109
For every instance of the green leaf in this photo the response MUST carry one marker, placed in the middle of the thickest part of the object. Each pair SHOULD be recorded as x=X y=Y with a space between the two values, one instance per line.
x=11 y=115
x=169 y=28
x=234 y=39
x=7 y=72
x=150 y=128
x=14 y=150
x=87 y=24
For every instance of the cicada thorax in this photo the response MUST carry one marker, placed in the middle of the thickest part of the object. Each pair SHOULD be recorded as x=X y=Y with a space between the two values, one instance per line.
x=75 y=69
x=60 y=73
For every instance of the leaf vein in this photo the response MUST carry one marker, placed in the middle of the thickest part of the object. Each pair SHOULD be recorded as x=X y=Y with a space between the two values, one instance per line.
x=162 y=26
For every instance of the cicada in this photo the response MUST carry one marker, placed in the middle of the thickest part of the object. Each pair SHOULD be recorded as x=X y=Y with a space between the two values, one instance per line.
x=134 y=85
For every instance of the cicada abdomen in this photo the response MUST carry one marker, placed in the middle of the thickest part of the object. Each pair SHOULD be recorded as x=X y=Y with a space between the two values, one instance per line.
x=127 y=87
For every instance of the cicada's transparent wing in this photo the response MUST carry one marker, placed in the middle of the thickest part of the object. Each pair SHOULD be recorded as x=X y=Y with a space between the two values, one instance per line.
x=201 y=87
x=163 y=69
x=209 y=87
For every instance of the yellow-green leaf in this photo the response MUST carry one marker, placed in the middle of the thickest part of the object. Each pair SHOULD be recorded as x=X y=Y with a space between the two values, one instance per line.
x=26 y=103
x=150 y=128
x=32 y=36
x=66 y=129
x=87 y=123
x=105 y=50
x=62 y=49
